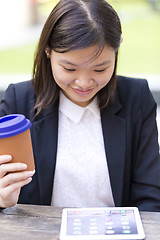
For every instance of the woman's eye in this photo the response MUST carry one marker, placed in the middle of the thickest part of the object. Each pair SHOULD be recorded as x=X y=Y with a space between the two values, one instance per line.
x=101 y=70
x=70 y=69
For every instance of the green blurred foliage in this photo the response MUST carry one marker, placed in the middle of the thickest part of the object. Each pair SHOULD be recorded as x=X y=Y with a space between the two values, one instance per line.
x=17 y=60
x=139 y=51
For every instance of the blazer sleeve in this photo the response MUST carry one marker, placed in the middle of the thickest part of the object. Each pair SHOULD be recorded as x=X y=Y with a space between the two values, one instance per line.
x=145 y=187
x=19 y=98
x=8 y=103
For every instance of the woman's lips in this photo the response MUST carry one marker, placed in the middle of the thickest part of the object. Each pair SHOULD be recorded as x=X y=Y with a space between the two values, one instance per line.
x=82 y=91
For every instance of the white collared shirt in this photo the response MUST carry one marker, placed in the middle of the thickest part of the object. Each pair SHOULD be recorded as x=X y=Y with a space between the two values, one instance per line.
x=81 y=175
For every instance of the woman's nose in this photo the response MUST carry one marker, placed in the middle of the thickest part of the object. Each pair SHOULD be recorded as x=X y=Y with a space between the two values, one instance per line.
x=84 y=82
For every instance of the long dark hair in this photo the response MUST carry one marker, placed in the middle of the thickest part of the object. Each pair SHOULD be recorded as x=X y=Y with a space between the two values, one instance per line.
x=75 y=24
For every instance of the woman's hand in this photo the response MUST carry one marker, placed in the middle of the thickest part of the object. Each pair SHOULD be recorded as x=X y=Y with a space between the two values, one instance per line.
x=12 y=177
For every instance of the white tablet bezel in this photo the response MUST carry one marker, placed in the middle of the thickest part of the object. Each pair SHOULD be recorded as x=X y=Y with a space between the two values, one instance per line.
x=138 y=236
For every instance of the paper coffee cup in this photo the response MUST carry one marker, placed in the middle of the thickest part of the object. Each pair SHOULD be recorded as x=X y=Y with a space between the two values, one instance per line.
x=15 y=139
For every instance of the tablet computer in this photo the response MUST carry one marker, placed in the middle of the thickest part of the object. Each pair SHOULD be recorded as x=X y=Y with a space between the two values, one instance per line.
x=101 y=223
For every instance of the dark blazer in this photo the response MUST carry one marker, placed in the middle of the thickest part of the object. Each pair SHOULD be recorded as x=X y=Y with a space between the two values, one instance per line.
x=130 y=138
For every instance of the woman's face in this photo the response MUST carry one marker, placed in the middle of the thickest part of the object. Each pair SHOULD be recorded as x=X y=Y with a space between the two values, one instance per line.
x=80 y=75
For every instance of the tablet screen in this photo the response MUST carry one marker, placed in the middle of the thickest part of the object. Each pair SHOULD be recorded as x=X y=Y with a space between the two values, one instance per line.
x=106 y=223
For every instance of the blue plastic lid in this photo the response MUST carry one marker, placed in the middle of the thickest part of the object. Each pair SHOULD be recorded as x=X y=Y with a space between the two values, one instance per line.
x=11 y=125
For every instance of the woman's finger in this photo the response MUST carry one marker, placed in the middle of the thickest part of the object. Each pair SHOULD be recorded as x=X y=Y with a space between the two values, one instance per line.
x=9 y=195
x=13 y=187
x=12 y=178
x=11 y=167
x=5 y=159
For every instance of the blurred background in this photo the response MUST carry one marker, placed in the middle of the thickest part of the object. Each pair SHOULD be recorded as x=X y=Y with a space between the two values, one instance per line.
x=21 y=22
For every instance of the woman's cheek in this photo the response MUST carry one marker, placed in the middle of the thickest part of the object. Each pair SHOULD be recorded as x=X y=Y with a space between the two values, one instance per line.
x=62 y=78
x=104 y=82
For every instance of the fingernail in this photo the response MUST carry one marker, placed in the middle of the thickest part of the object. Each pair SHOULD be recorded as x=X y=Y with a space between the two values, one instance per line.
x=24 y=166
x=29 y=179
x=8 y=157
x=32 y=172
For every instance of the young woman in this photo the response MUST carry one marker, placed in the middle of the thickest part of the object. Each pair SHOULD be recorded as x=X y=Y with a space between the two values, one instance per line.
x=94 y=134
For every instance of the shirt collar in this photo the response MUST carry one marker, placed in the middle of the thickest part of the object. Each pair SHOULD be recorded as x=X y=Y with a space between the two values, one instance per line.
x=75 y=112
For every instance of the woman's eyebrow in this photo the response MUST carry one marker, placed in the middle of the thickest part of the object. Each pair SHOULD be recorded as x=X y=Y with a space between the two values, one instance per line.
x=97 y=65
x=102 y=64
x=67 y=62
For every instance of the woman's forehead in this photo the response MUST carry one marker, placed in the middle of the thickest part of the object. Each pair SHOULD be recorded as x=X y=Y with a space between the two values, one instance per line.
x=86 y=56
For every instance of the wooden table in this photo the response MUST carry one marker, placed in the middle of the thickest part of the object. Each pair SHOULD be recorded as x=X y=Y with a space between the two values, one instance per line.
x=30 y=222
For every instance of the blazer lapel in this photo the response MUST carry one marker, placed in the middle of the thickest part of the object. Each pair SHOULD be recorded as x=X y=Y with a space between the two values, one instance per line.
x=44 y=133
x=114 y=139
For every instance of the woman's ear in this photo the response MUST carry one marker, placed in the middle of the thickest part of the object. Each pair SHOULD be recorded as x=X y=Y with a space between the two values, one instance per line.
x=48 y=52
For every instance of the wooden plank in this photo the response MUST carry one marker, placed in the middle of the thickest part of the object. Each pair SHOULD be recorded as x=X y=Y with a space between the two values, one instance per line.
x=43 y=222
x=151 y=221
x=30 y=222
